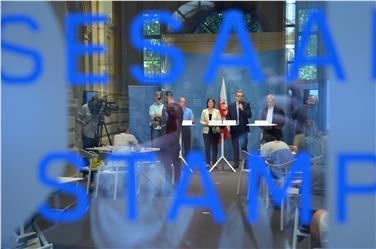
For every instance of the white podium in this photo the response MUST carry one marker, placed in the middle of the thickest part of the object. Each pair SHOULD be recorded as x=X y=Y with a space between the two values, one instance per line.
x=185 y=124
x=223 y=123
x=261 y=123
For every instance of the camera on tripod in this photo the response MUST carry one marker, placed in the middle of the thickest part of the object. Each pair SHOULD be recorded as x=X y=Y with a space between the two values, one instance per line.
x=102 y=107
x=99 y=108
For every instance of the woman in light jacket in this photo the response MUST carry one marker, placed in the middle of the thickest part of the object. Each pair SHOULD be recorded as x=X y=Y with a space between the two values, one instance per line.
x=210 y=133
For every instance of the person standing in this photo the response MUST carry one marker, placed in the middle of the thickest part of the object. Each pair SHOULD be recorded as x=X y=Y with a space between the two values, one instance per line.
x=241 y=112
x=186 y=130
x=155 y=113
x=274 y=115
x=169 y=142
x=210 y=133
x=301 y=115
x=88 y=120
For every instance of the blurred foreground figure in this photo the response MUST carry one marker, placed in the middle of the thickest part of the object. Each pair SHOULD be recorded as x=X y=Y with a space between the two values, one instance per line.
x=168 y=143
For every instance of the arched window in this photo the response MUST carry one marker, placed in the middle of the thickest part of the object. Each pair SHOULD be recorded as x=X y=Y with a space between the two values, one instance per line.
x=212 y=23
x=204 y=17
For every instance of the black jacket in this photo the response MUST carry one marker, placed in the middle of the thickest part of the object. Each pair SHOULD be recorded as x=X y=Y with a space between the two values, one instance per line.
x=302 y=114
x=243 y=117
x=278 y=118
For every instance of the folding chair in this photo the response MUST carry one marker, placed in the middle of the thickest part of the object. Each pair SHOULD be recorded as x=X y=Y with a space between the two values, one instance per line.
x=90 y=156
x=242 y=170
x=291 y=191
x=298 y=232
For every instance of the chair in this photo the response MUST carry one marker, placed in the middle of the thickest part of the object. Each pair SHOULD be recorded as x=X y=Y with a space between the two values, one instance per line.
x=110 y=168
x=117 y=168
x=291 y=191
x=247 y=170
x=298 y=232
x=242 y=170
x=90 y=156
x=34 y=239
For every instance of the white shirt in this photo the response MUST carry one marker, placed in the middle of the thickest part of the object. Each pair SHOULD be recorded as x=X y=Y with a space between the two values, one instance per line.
x=269 y=115
x=237 y=112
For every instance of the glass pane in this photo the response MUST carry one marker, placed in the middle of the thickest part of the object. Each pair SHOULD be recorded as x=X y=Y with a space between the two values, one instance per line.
x=290 y=12
x=290 y=53
x=302 y=19
x=148 y=54
x=288 y=67
x=311 y=49
x=308 y=73
x=152 y=68
x=152 y=26
x=213 y=22
x=107 y=8
x=290 y=43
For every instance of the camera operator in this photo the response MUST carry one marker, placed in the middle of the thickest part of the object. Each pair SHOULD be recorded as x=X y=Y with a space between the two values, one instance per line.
x=88 y=120
x=155 y=113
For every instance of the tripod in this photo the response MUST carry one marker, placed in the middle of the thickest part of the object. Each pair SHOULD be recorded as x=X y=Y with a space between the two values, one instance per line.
x=102 y=124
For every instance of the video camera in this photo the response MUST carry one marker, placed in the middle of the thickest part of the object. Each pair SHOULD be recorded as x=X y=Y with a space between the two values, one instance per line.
x=102 y=107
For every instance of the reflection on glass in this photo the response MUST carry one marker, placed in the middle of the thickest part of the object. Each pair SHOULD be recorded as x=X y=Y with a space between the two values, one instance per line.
x=311 y=50
x=308 y=73
x=290 y=53
x=302 y=19
x=152 y=26
x=290 y=43
x=290 y=12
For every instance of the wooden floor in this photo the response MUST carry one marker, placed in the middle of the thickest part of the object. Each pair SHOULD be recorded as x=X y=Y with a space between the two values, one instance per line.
x=107 y=226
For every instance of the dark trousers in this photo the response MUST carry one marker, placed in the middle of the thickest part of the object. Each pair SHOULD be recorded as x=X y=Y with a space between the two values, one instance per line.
x=88 y=142
x=186 y=140
x=155 y=133
x=169 y=157
x=239 y=140
x=211 y=143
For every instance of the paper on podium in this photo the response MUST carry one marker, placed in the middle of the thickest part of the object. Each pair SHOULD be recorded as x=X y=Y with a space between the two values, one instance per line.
x=187 y=123
x=229 y=122
x=215 y=122
x=261 y=122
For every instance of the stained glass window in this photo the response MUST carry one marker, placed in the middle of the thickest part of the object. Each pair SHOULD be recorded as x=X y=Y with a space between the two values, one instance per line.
x=212 y=23
x=152 y=61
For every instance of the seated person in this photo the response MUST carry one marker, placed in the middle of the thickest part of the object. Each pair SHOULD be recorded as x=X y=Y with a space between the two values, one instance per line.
x=318 y=194
x=125 y=140
x=276 y=153
x=313 y=141
x=319 y=228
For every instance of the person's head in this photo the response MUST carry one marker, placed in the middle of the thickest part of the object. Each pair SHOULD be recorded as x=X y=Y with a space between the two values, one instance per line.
x=270 y=100
x=239 y=95
x=158 y=97
x=123 y=128
x=182 y=102
x=312 y=100
x=266 y=137
x=170 y=98
x=210 y=103
x=310 y=128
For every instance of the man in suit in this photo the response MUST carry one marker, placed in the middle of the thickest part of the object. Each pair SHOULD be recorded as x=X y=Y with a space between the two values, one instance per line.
x=274 y=115
x=241 y=112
